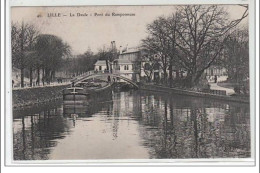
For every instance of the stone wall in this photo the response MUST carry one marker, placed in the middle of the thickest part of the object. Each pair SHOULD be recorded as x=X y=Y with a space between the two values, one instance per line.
x=30 y=96
x=158 y=88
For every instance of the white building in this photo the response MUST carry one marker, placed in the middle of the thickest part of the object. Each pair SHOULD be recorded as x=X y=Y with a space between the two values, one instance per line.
x=130 y=63
x=124 y=67
x=100 y=66
x=131 y=55
x=218 y=71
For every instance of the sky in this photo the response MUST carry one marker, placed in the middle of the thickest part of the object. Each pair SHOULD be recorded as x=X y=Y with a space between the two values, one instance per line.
x=95 y=32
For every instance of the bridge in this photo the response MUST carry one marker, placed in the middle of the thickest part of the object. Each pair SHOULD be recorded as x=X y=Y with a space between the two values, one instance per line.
x=93 y=74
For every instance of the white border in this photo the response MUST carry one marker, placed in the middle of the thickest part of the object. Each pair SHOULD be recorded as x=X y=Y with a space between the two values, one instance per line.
x=161 y=162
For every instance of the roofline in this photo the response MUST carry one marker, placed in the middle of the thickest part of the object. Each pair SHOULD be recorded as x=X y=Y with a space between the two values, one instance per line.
x=129 y=52
x=124 y=63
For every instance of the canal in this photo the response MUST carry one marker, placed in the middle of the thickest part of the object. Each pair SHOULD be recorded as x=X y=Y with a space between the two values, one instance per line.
x=134 y=125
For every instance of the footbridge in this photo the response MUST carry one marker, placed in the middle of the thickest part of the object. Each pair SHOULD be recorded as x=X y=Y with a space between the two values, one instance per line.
x=92 y=74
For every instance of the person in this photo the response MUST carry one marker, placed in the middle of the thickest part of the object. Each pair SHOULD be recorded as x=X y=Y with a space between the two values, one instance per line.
x=108 y=79
x=12 y=83
x=74 y=118
x=216 y=78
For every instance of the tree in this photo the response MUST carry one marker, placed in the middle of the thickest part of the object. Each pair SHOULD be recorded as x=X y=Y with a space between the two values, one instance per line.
x=148 y=66
x=192 y=39
x=22 y=40
x=201 y=35
x=85 y=62
x=50 y=50
x=156 y=42
x=236 y=55
x=107 y=54
x=31 y=60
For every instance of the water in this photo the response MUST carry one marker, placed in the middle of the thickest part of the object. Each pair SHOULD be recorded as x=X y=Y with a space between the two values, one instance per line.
x=135 y=125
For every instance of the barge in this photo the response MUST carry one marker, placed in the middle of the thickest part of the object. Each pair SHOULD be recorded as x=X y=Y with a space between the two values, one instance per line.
x=78 y=99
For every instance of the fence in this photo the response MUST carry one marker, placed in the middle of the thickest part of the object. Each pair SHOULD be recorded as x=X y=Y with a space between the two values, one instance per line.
x=215 y=92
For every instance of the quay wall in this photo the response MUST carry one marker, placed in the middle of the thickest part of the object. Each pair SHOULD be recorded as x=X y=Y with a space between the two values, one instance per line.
x=23 y=97
x=158 y=88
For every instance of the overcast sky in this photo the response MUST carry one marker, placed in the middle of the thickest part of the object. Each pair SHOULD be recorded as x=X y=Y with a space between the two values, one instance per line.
x=93 y=32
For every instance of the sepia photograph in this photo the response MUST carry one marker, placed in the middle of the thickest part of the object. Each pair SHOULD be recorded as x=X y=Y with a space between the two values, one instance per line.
x=130 y=82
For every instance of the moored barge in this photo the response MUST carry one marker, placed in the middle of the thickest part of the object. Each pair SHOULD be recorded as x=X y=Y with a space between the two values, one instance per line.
x=78 y=98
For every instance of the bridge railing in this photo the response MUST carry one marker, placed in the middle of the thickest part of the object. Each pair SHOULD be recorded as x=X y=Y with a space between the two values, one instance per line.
x=83 y=75
x=99 y=73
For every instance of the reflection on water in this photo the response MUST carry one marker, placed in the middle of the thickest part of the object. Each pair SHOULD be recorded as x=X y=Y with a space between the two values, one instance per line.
x=135 y=125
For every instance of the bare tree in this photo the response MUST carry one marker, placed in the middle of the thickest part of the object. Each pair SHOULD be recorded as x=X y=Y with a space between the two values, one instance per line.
x=157 y=42
x=192 y=39
x=148 y=65
x=236 y=55
x=22 y=40
x=107 y=54
x=201 y=35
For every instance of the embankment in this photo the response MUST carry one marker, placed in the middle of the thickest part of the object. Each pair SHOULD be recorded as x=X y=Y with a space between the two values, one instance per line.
x=164 y=89
x=29 y=96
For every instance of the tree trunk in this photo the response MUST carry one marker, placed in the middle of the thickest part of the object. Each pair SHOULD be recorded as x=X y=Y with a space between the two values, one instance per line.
x=165 y=75
x=177 y=74
x=107 y=65
x=188 y=80
x=38 y=76
x=197 y=77
x=31 y=77
x=22 y=77
x=43 y=76
x=22 y=56
x=52 y=75
x=170 y=74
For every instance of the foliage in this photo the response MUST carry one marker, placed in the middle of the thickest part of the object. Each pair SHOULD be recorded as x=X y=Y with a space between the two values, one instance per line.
x=22 y=41
x=50 y=50
x=236 y=56
x=82 y=63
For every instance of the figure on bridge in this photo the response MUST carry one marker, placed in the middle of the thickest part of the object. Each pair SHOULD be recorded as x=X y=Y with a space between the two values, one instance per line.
x=108 y=79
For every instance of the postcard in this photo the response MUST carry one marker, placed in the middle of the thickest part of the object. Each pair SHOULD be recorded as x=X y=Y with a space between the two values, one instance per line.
x=160 y=84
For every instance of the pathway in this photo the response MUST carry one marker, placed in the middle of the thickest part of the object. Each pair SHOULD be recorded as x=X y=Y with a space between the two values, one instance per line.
x=41 y=86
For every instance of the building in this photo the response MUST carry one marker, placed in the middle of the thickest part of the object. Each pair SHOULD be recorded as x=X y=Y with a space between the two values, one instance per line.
x=131 y=55
x=218 y=71
x=124 y=67
x=100 y=66
x=129 y=63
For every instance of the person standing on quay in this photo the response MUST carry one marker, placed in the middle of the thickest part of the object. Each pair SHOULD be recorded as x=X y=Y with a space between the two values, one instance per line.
x=216 y=78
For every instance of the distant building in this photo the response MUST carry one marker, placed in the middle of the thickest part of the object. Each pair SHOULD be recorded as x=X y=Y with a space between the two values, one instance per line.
x=132 y=55
x=124 y=67
x=100 y=66
x=129 y=62
x=218 y=71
